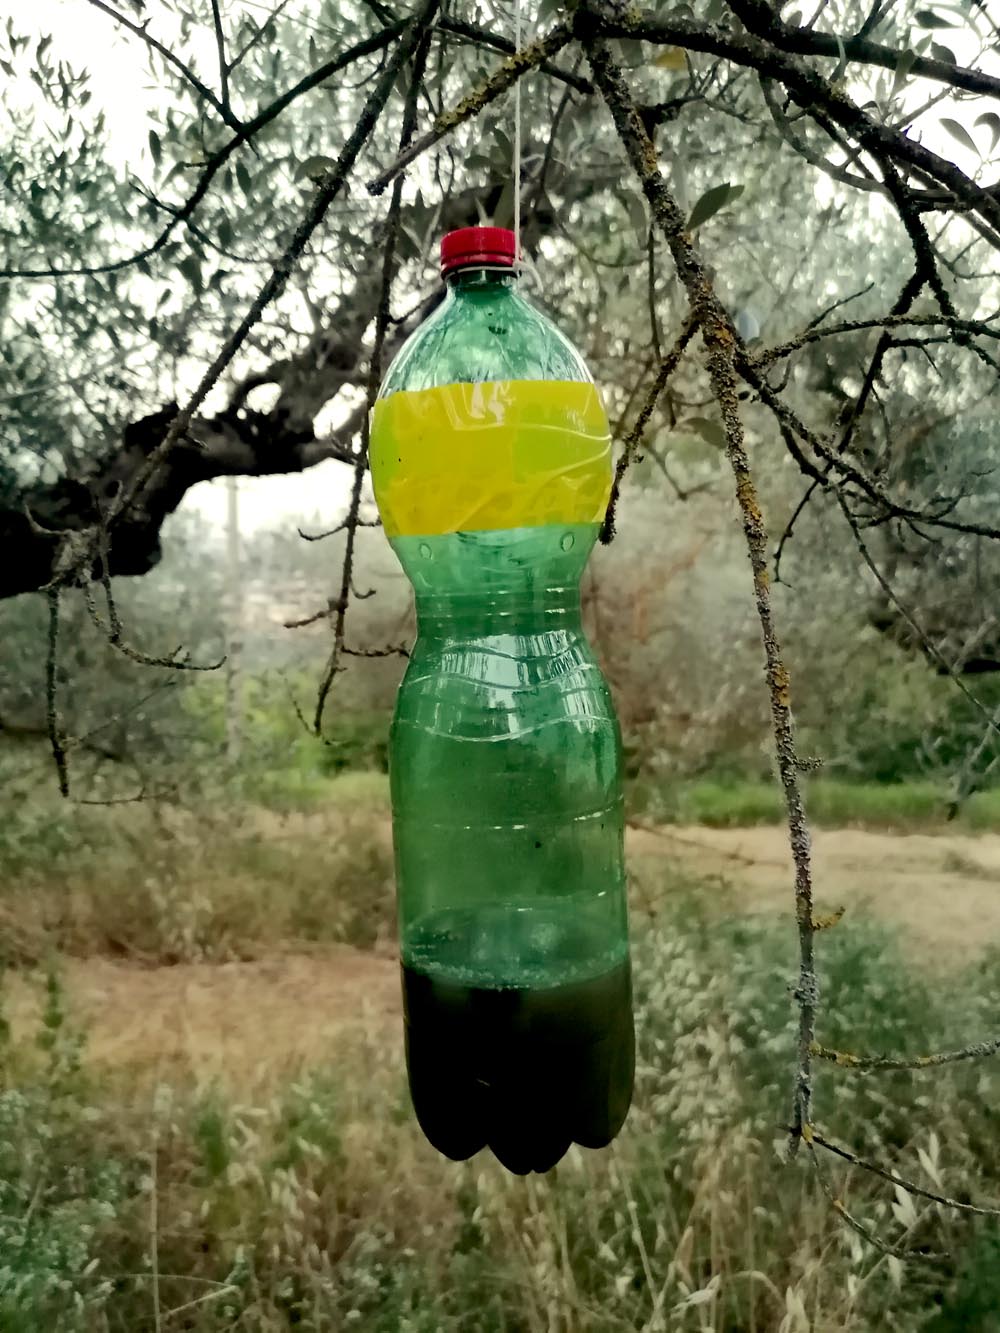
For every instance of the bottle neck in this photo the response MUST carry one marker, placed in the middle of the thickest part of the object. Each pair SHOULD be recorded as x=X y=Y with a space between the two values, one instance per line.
x=481 y=278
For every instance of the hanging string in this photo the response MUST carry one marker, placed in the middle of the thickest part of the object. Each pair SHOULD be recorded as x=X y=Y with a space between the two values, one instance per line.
x=517 y=142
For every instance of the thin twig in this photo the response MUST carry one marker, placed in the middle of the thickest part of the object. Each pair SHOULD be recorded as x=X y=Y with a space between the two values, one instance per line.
x=977 y=1050
x=519 y=64
x=654 y=321
x=634 y=438
x=332 y=532
x=258 y=36
x=904 y=1252
x=142 y=32
x=721 y=340
x=374 y=372
x=220 y=43
x=910 y=1186
x=968 y=776
x=56 y=736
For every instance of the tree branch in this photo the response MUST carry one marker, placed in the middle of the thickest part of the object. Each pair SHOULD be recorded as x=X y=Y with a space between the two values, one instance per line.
x=367 y=46
x=528 y=58
x=721 y=341
x=374 y=376
x=763 y=22
x=634 y=438
x=142 y=32
x=220 y=43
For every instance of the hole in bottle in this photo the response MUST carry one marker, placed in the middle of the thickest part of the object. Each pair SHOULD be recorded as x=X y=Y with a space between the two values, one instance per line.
x=424 y=550
x=567 y=541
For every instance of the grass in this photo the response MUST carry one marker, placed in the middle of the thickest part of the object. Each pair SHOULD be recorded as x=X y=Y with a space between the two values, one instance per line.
x=298 y=1192
x=905 y=806
x=170 y=884
x=173 y=883
x=318 y=1205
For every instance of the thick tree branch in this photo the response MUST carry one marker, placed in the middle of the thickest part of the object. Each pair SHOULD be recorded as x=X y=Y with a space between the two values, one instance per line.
x=239 y=443
x=810 y=90
x=763 y=22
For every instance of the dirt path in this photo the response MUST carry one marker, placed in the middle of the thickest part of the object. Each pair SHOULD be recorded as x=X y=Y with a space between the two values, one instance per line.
x=941 y=890
x=203 y=1022
x=236 y=1023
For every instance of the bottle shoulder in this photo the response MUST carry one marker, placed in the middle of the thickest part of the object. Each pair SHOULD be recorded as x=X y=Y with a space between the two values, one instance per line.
x=484 y=335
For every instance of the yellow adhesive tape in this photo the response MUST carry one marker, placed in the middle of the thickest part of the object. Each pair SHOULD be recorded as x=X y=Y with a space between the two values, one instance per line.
x=501 y=454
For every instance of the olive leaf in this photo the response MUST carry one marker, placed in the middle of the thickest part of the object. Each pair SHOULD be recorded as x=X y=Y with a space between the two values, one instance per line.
x=637 y=213
x=838 y=73
x=926 y=18
x=903 y=66
x=992 y=121
x=710 y=431
x=959 y=132
x=711 y=201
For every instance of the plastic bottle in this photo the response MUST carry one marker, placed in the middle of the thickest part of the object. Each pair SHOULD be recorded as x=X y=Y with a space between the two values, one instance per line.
x=490 y=460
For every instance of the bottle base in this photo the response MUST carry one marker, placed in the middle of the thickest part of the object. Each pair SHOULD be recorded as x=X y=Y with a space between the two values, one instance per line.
x=524 y=1072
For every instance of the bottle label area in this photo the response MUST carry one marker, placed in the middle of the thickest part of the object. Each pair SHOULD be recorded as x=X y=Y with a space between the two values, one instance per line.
x=492 y=455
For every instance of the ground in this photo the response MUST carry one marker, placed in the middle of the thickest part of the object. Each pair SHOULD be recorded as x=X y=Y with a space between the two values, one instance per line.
x=219 y=1022
x=941 y=890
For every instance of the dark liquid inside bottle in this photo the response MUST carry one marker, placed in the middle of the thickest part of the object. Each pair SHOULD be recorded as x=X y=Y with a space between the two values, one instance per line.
x=524 y=1071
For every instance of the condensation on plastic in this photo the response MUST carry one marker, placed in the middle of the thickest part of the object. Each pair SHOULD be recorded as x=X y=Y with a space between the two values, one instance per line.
x=490 y=455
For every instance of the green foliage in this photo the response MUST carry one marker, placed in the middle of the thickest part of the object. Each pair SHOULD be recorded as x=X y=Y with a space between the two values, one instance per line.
x=60 y=1193
x=318 y=1205
x=735 y=802
x=974 y=1303
x=282 y=764
x=195 y=882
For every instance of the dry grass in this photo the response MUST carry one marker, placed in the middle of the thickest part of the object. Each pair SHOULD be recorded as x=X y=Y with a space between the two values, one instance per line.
x=311 y=1198
x=248 y=1026
x=165 y=885
x=255 y=1062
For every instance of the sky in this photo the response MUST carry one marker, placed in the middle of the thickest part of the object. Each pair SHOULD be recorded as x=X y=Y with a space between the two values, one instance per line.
x=125 y=89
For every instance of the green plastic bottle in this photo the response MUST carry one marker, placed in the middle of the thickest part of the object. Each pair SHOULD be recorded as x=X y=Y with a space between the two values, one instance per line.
x=490 y=460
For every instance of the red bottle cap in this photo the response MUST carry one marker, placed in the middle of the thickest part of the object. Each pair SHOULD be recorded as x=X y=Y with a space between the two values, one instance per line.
x=495 y=246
